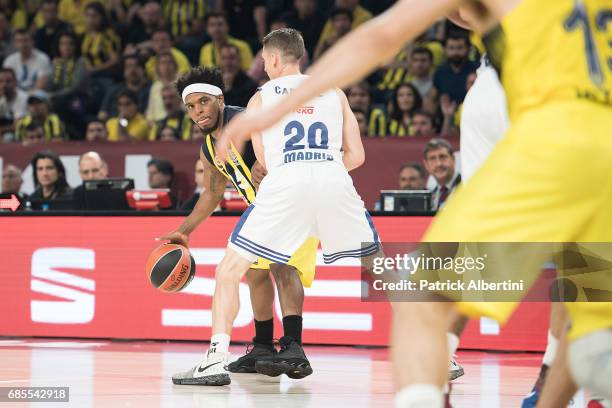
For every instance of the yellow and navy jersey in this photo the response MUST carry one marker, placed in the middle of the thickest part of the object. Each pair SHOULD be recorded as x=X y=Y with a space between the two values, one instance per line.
x=182 y=124
x=570 y=58
x=52 y=127
x=97 y=47
x=237 y=170
x=377 y=123
x=398 y=128
x=180 y=14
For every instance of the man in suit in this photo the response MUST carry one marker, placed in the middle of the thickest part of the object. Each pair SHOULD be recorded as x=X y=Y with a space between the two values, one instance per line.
x=440 y=163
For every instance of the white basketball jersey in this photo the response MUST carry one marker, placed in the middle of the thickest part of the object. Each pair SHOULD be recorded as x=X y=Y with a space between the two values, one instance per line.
x=484 y=120
x=312 y=133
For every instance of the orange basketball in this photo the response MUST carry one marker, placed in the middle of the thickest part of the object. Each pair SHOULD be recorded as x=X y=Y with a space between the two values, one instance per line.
x=170 y=267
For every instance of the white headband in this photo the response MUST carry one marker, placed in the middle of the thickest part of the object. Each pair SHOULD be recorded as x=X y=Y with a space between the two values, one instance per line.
x=200 y=87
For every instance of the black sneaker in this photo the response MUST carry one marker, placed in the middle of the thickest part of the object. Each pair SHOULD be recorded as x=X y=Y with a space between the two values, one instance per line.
x=254 y=352
x=290 y=360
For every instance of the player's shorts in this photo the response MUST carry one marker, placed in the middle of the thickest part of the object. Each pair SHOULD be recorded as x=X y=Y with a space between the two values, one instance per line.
x=548 y=180
x=304 y=260
x=300 y=200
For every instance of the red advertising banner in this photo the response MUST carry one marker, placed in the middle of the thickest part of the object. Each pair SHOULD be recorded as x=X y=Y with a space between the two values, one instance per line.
x=70 y=276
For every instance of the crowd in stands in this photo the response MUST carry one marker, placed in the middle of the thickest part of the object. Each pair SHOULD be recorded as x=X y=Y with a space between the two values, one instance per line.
x=104 y=70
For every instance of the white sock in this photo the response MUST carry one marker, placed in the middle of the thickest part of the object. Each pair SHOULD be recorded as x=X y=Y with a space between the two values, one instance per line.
x=419 y=396
x=453 y=343
x=219 y=343
x=551 y=350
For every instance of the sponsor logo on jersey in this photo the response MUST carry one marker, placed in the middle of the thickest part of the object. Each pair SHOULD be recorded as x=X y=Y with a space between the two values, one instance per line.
x=305 y=110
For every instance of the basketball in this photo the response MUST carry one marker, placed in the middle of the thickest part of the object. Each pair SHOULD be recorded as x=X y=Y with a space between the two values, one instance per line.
x=170 y=267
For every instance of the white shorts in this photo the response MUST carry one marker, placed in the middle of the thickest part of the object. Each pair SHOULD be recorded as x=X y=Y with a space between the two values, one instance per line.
x=299 y=200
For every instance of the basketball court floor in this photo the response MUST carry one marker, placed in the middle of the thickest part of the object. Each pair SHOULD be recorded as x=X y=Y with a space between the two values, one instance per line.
x=117 y=374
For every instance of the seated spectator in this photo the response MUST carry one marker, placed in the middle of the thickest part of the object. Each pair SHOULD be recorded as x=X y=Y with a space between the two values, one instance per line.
x=341 y=20
x=180 y=14
x=11 y=183
x=420 y=74
x=49 y=177
x=92 y=167
x=167 y=72
x=176 y=118
x=148 y=19
x=422 y=124
x=440 y=163
x=33 y=133
x=67 y=84
x=196 y=133
x=31 y=66
x=218 y=30
x=39 y=114
x=15 y=13
x=101 y=46
x=46 y=37
x=13 y=104
x=168 y=134
x=134 y=80
x=450 y=77
x=162 y=42
x=129 y=124
x=239 y=87
x=247 y=20
x=96 y=131
x=359 y=16
x=306 y=18
x=161 y=175
x=191 y=43
x=359 y=99
x=406 y=100
x=199 y=180
x=411 y=177
x=362 y=121
x=7 y=40
x=257 y=71
x=74 y=13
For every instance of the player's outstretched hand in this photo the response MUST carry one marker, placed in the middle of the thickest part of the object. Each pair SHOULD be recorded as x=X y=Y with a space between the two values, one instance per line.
x=175 y=237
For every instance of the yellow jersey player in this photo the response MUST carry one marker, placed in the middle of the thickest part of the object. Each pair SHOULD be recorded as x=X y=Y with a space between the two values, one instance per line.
x=537 y=185
x=202 y=92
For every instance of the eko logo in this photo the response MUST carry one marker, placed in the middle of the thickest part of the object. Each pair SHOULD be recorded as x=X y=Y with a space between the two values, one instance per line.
x=47 y=278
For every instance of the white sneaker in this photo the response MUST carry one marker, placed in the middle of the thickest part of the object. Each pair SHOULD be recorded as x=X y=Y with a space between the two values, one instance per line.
x=210 y=371
x=454 y=370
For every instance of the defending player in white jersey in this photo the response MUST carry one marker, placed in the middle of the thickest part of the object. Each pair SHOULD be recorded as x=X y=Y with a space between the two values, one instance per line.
x=307 y=192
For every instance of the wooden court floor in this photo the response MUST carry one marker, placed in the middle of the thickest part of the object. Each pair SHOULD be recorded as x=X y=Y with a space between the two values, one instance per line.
x=137 y=374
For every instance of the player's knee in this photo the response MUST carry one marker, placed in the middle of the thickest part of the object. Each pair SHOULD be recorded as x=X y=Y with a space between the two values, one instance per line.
x=285 y=275
x=257 y=277
x=226 y=273
x=590 y=362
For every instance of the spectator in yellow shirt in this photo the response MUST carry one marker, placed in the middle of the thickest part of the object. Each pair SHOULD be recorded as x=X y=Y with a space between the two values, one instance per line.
x=162 y=42
x=101 y=45
x=73 y=12
x=129 y=124
x=218 y=30
x=39 y=115
x=360 y=16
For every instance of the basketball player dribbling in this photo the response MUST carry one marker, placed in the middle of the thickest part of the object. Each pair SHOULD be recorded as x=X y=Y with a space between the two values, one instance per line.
x=202 y=91
x=560 y=111
x=307 y=192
